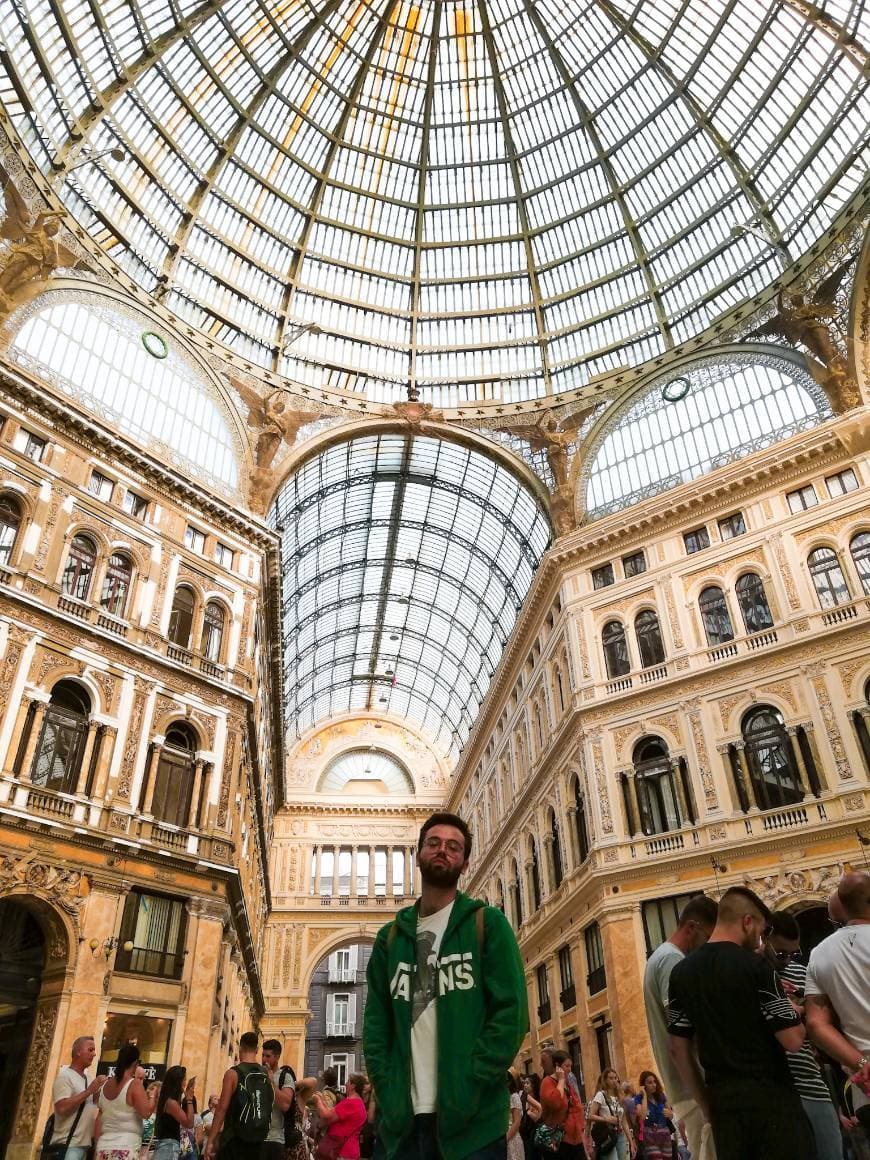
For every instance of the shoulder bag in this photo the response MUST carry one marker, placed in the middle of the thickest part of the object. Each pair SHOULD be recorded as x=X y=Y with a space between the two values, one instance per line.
x=51 y=1151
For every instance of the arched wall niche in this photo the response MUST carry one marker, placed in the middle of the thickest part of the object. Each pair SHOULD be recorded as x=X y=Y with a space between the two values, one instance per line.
x=311 y=756
x=223 y=453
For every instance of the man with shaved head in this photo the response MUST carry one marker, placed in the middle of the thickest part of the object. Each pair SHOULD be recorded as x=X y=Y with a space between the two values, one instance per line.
x=726 y=998
x=838 y=990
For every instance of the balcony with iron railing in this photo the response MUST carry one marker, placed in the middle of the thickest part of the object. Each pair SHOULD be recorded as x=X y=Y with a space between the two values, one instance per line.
x=343 y=1030
x=342 y=975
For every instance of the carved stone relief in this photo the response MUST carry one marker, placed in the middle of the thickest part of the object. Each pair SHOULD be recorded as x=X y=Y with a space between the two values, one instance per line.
x=697 y=730
x=131 y=745
x=65 y=888
x=785 y=883
x=820 y=688
x=34 y=1075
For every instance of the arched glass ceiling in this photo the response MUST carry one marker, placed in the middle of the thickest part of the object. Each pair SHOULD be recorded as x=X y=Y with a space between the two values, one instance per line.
x=405 y=560
x=366 y=765
x=719 y=411
x=99 y=357
x=472 y=197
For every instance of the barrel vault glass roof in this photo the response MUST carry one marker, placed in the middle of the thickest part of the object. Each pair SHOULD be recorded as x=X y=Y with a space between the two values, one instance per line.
x=475 y=198
x=405 y=561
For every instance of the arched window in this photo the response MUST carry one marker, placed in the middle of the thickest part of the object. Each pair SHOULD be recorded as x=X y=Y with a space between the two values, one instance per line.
x=499 y=896
x=516 y=896
x=581 y=821
x=715 y=616
x=860 y=549
x=181 y=617
x=58 y=757
x=534 y=874
x=539 y=727
x=753 y=603
x=116 y=585
x=558 y=866
x=520 y=749
x=657 y=796
x=10 y=523
x=615 y=649
x=213 y=631
x=79 y=570
x=771 y=759
x=828 y=578
x=173 y=784
x=649 y=639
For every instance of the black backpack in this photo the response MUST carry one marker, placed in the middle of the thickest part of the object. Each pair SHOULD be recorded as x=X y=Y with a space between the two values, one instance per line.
x=252 y=1104
x=292 y=1130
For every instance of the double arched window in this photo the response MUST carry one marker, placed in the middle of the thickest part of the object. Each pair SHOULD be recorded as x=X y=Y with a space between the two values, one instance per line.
x=213 y=626
x=173 y=781
x=715 y=616
x=535 y=874
x=580 y=821
x=753 y=605
x=181 y=616
x=828 y=579
x=772 y=761
x=81 y=562
x=558 y=867
x=58 y=756
x=655 y=779
x=11 y=517
x=515 y=892
x=650 y=646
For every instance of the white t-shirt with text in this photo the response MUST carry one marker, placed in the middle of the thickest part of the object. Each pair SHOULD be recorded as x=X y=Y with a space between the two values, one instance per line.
x=424 y=1026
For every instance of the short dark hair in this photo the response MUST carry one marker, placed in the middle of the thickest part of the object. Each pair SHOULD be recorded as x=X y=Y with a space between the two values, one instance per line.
x=274 y=1046
x=558 y=1057
x=358 y=1080
x=329 y=1076
x=785 y=925
x=249 y=1041
x=732 y=904
x=700 y=909
x=127 y=1056
x=445 y=819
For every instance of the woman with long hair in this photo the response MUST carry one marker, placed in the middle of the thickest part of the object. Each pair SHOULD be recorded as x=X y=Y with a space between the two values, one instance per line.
x=175 y=1110
x=152 y=1091
x=124 y=1105
x=530 y=1098
x=609 y=1124
x=515 y=1149
x=654 y=1117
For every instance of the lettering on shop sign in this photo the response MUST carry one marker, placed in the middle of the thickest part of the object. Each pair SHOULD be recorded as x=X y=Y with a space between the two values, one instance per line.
x=152 y=1070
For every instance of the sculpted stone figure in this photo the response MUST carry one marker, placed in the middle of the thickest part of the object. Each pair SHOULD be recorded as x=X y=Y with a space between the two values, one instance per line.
x=275 y=422
x=35 y=251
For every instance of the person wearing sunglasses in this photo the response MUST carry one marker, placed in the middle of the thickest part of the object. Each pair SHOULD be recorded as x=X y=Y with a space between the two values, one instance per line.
x=726 y=999
x=783 y=948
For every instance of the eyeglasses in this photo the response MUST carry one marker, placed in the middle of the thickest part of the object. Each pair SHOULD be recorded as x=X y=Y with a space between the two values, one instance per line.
x=451 y=846
x=787 y=956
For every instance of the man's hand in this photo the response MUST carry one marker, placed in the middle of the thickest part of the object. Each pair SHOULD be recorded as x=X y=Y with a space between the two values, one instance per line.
x=96 y=1084
x=861 y=1078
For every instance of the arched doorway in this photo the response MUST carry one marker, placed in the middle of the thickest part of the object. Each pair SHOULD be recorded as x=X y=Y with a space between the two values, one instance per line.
x=815 y=925
x=22 y=963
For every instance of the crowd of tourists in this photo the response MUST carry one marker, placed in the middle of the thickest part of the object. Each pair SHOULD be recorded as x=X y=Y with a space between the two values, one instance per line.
x=756 y=1055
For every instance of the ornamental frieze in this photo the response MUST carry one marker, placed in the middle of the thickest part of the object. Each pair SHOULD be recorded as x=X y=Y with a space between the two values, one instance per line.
x=67 y=889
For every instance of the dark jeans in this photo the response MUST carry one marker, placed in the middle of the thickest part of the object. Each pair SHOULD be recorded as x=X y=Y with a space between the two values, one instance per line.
x=422 y=1144
x=271 y=1150
x=757 y=1121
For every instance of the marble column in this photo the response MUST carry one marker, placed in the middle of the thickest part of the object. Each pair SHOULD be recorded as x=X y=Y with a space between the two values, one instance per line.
x=406 y=883
x=624 y=970
x=318 y=854
x=151 y=775
x=336 y=851
x=33 y=740
x=87 y=755
x=744 y=773
x=193 y=813
x=390 y=879
x=800 y=764
x=104 y=761
x=573 y=854
x=677 y=781
x=354 y=878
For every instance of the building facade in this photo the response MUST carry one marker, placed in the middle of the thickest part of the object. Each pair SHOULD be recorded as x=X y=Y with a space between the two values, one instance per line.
x=336 y=999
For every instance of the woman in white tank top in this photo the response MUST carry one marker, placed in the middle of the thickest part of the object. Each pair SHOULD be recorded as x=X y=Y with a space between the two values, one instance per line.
x=123 y=1105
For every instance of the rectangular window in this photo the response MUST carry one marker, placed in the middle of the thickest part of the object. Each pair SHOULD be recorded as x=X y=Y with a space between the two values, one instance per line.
x=135 y=505
x=732 y=526
x=803 y=498
x=634 y=564
x=223 y=555
x=603 y=577
x=660 y=916
x=596 y=978
x=194 y=539
x=343 y=1064
x=156 y=926
x=841 y=483
x=544 y=1011
x=696 y=540
x=29 y=444
x=339 y=1023
x=101 y=486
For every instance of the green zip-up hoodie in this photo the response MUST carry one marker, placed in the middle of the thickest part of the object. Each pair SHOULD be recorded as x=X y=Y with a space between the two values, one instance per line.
x=481 y=1013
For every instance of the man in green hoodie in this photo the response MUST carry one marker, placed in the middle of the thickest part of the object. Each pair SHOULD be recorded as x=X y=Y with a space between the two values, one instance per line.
x=446 y=1013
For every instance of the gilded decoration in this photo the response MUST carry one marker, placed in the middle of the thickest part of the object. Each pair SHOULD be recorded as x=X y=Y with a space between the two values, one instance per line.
x=794 y=600
x=820 y=688
x=107 y=685
x=601 y=786
x=817 y=882
x=27 y=873
x=226 y=778
x=131 y=745
x=673 y=618
x=34 y=1074
x=697 y=730
x=51 y=662
x=848 y=672
x=783 y=691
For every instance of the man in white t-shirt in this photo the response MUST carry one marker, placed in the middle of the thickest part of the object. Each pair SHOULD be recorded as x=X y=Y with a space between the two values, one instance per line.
x=73 y=1089
x=284 y=1082
x=838 y=991
x=694 y=928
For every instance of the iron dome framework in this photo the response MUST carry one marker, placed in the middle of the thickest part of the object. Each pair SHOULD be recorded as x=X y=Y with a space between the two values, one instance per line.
x=405 y=560
x=497 y=198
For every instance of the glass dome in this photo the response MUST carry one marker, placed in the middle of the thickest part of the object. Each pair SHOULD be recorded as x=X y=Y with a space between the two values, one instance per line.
x=473 y=198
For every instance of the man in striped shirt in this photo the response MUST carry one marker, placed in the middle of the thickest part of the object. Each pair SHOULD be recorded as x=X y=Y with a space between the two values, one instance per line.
x=783 y=948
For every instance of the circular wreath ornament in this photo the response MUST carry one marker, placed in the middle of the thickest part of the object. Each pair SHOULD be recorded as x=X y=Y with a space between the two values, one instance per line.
x=676 y=390
x=155 y=344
